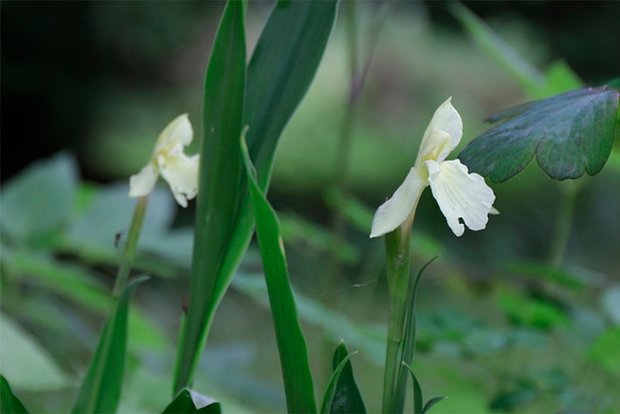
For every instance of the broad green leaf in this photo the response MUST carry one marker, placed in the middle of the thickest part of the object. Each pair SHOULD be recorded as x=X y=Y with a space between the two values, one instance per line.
x=569 y=134
x=26 y=362
x=220 y=185
x=498 y=49
x=332 y=386
x=9 y=403
x=282 y=67
x=346 y=397
x=292 y=346
x=191 y=402
x=39 y=199
x=101 y=389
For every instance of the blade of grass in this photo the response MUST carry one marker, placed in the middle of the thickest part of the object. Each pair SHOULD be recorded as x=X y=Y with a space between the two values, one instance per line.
x=292 y=347
x=282 y=67
x=507 y=57
x=220 y=183
x=9 y=403
x=101 y=389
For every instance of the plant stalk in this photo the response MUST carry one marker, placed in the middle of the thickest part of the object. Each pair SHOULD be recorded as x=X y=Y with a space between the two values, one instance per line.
x=398 y=278
x=564 y=222
x=129 y=253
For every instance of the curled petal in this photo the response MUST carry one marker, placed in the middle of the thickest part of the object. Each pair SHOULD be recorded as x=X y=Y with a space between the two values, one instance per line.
x=142 y=183
x=175 y=136
x=460 y=195
x=442 y=134
x=395 y=211
x=181 y=173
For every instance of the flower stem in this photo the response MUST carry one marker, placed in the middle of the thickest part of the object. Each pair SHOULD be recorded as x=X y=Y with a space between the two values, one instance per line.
x=564 y=222
x=398 y=258
x=129 y=253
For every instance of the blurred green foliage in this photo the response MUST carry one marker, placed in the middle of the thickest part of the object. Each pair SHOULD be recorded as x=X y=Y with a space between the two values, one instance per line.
x=498 y=329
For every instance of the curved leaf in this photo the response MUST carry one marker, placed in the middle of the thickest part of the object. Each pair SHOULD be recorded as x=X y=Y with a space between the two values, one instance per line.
x=291 y=341
x=334 y=380
x=220 y=183
x=101 y=389
x=569 y=134
x=282 y=67
x=9 y=403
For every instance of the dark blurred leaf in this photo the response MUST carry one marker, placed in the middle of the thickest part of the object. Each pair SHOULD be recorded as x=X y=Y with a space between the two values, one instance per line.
x=346 y=397
x=101 y=389
x=332 y=386
x=529 y=311
x=569 y=134
x=430 y=403
x=511 y=401
x=9 y=403
x=39 y=199
x=291 y=341
x=282 y=67
x=191 y=402
x=220 y=185
x=550 y=273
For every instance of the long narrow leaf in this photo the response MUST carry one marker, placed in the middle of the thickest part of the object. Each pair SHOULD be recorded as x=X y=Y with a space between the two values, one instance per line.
x=282 y=67
x=408 y=343
x=9 y=403
x=345 y=396
x=291 y=342
x=220 y=184
x=101 y=389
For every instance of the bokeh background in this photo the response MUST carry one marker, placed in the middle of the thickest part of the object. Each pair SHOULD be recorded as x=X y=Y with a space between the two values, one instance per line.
x=86 y=88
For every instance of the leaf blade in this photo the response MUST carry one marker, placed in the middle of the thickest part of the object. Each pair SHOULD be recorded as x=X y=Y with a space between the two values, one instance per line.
x=190 y=402
x=292 y=346
x=100 y=392
x=346 y=396
x=9 y=403
x=569 y=134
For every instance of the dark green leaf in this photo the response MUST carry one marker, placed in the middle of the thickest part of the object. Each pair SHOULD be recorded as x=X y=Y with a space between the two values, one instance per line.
x=101 y=389
x=39 y=199
x=430 y=403
x=191 y=402
x=418 y=400
x=330 y=392
x=569 y=134
x=282 y=67
x=346 y=397
x=291 y=342
x=220 y=184
x=9 y=403
x=285 y=60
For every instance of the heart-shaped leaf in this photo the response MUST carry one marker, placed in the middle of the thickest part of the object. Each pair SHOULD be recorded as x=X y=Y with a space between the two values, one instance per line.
x=569 y=134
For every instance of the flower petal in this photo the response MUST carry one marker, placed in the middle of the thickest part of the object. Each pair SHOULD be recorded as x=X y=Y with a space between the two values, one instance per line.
x=436 y=145
x=181 y=173
x=460 y=195
x=395 y=211
x=142 y=183
x=175 y=136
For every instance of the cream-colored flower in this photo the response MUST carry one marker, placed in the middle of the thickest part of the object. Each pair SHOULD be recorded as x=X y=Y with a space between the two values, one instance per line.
x=169 y=161
x=462 y=197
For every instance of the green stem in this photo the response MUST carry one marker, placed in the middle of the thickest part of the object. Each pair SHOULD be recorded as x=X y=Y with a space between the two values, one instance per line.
x=564 y=222
x=398 y=259
x=129 y=254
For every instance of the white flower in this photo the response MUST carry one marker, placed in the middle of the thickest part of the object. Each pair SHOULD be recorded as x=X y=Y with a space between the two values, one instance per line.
x=461 y=196
x=169 y=161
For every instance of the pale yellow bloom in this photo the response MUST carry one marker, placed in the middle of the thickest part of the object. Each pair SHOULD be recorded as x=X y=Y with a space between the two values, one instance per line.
x=169 y=161
x=462 y=197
